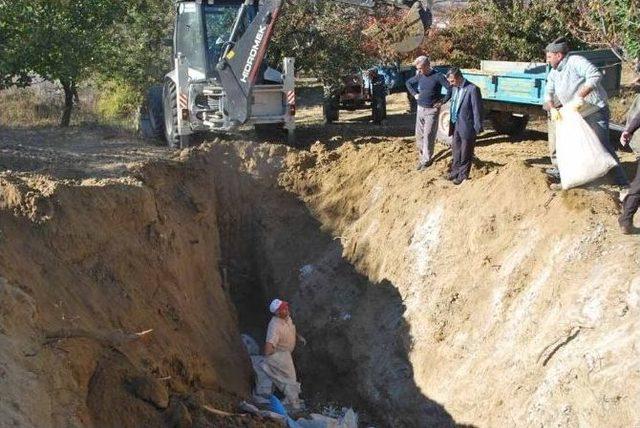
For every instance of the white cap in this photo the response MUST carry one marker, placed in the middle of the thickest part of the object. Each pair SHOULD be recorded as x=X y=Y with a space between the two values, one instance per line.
x=275 y=305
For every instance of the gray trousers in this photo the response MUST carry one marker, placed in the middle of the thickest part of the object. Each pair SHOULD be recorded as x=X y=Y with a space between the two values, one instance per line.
x=599 y=122
x=426 y=129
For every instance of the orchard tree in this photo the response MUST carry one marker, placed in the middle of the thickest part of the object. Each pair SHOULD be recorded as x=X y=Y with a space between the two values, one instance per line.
x=138 y=53
x=613 y=24
x=59 y=40
x=510 y=30
x=325 y=38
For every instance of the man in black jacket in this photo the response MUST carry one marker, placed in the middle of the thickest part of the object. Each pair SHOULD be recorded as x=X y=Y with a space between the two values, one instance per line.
x=632 y=200
x=465 y=124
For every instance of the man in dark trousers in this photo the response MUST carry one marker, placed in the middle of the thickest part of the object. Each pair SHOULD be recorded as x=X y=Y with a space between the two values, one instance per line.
x=465 y=124
x=632 y=200
x=426 y=88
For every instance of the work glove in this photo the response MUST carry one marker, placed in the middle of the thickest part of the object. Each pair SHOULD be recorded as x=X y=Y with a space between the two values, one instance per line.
x=416 y=96
x=554 y=113
x=302 y=340
x=575 y=104
x=625 y=138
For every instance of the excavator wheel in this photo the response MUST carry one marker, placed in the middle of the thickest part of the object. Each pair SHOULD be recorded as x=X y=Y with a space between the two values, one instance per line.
x=152 y=119
x=170 y=104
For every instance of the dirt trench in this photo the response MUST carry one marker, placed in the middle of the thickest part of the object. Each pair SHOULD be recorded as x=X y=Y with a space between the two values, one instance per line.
x=493 y=303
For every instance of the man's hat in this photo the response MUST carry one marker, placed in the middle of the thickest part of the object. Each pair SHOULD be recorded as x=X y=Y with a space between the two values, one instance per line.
x=559 y=45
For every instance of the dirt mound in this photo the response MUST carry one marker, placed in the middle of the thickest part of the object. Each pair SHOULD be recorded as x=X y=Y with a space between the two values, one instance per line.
x=86 y=265
x=521 y=303
x=494 y=302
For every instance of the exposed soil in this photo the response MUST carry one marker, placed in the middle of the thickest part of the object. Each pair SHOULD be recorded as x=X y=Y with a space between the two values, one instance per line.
x=493 y=303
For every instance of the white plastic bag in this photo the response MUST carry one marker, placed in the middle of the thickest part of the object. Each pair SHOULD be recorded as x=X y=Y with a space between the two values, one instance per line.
x=581 y=156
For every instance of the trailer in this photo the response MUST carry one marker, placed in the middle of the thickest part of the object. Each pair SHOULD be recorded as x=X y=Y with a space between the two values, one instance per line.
x=513 y=92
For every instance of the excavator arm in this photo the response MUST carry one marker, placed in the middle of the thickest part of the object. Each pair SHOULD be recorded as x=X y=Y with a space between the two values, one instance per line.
x=244 y=51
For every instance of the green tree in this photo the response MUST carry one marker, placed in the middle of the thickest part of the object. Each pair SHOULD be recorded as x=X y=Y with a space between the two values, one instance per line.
x=513 y=30
x=613 y=24
x=59 y=40
x=325 y=38
x=138 y=53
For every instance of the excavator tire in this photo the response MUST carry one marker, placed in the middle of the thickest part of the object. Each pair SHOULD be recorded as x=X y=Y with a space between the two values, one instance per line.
x=155 y=112
x=170 y=103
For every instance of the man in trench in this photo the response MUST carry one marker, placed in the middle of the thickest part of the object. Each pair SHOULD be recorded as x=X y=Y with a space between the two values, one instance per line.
x=276 y=367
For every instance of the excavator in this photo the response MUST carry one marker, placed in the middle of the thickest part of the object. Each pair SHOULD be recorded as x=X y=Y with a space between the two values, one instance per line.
x=218 y=81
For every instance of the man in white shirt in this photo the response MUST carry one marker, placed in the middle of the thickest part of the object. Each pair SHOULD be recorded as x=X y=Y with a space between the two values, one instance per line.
x=277 y=362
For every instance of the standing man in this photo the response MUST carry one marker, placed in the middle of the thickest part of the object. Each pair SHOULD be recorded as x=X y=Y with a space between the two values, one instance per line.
x=428 y=95
x=632 y=200
x=465 y=124
x=277 y=362
x=575 y=83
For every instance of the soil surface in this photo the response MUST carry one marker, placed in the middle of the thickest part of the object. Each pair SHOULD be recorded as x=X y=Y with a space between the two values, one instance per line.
x=496 y=302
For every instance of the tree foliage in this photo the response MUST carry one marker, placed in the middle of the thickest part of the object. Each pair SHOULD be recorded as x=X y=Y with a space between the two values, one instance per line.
x=513 y=30
x=137 y=53
x=58 y=40
x=611 y=24
x=325 y=38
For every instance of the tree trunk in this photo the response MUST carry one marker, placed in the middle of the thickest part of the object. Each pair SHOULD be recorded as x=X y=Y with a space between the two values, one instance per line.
x=69 y=87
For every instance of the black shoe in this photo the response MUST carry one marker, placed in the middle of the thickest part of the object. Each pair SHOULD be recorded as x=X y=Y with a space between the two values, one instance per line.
x=457 y=180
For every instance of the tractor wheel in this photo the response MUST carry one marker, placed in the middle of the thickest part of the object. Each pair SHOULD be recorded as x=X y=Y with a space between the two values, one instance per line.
x=330 y=110
x=378 y=109
x=508 y=123
x=170 y=103
x=442 y=133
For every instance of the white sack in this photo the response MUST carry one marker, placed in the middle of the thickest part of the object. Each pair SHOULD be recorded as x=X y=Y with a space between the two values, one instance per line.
x=581 y=156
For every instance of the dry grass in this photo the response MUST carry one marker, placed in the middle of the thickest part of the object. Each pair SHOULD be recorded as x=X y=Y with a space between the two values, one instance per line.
x=41 y=105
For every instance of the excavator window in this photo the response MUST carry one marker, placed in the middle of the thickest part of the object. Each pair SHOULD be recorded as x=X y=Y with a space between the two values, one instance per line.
x=189 y=36
x=218 y=23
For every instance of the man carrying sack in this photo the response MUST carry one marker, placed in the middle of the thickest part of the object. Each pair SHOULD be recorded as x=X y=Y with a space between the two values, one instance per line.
x=575 y=83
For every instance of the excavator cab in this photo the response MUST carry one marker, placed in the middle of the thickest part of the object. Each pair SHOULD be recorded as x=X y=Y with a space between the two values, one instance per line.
x=201 y=32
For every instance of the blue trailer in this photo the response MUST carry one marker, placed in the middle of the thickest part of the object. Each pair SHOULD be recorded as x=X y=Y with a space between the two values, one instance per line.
x=513 y=92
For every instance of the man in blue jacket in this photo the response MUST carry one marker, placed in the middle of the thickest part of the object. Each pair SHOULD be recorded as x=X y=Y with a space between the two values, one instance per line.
x=428 y=83
x=466 y=124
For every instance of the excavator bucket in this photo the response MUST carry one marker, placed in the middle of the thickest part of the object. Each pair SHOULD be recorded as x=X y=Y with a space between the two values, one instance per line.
x=408 y=34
